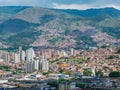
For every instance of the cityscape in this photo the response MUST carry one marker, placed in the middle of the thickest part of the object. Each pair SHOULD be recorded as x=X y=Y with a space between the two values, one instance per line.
x=59 y=45
x=51 y=69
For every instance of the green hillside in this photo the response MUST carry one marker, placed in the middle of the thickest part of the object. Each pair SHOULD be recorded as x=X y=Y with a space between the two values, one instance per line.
x=79 y=29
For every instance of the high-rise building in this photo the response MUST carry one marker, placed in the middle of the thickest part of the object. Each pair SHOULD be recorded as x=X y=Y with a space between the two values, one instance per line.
x=65 y=54
x=30 y=54
x=16 y=57
x=44 y=64
x=72 y=51
x=5 y=56
x=37 y=64
x=22 y=55
x=29 y=66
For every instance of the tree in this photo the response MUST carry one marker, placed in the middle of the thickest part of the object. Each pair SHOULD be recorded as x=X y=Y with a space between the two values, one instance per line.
x=61 y=79
x=114 y=74
x=112 y=57
x=45 y=73
x=4 y=67
x=68 y=72
x=61 y=71
x=99 y=73
x=118 y=51
x=87 y=72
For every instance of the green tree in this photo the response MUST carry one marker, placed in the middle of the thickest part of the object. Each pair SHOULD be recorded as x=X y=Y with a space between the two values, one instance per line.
x=87 y=72
x=118 y=51
x=61 y=71
x=45 y=73
x=61 y=79
x=68 y=72
x=99 y=73
x=4 y=67
x=112 y=57
x=114 y=74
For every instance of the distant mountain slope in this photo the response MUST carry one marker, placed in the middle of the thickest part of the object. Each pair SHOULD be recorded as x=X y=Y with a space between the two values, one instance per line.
x=12 y=9
x=36 y=14
x=80 y=29
x=7 y=12
x=112 y=12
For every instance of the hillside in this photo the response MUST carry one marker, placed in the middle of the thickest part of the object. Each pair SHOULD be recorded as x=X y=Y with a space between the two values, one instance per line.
x=80 y=29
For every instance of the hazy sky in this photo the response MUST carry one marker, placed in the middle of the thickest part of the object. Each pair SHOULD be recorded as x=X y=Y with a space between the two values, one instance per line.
x=63 y=4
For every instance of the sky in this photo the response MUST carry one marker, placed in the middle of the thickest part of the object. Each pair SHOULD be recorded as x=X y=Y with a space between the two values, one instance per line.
x=63 y=4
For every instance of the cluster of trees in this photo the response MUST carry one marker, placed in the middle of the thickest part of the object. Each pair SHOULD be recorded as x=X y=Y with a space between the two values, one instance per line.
x=114 y=74
x=118 y=51
x=76 y=60
x=88 y=72
x=3 y=67
x=112 y=57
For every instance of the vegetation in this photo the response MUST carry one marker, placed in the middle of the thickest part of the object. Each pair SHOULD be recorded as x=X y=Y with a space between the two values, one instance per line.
x=61 y=80
x=71 y=24
x=104 y=46
x=24 y=38
x=87 y=72
x=53 y=61
x=81 y=85
x=118 y=51
x=85 y=41
x=68 y=72
x=99 y=73
x=114 y=74
x=112 y=57
x=53 y=83
x=61 y=71
x=115 y=32
x=12 y=9
x=76 y=60
x=3 y=67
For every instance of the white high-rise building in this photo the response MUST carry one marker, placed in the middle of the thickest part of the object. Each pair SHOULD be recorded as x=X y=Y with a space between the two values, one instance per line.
x=22 y=55
x=5 y=56
x=72 y=51
x=44 y=64
x=29 y=66
x=16 y=57
x=37 y=64
x=65 y=54
x=30 y=54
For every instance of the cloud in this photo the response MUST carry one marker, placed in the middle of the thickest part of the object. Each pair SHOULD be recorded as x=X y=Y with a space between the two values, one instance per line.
x=63 y=4
x=114 y=6
x=70 y=6
x=82 y=6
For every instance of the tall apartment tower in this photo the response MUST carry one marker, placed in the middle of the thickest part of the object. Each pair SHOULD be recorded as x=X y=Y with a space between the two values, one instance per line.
x=29 y=66
x=5 y=56
x=44 y=64
x=72 y=51
x=30 y=54
x=17 y=57
x=22 y=55
x=37 y=64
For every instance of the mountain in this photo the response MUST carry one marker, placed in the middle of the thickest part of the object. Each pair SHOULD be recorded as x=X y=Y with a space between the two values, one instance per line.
x=54 y=28
x=101 y=12
x=6 y=12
